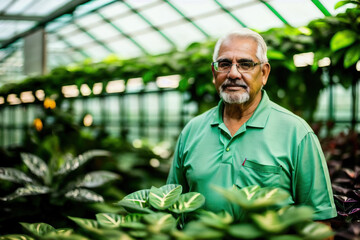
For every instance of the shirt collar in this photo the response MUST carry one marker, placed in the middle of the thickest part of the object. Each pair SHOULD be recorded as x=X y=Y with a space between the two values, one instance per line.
x=257 y=120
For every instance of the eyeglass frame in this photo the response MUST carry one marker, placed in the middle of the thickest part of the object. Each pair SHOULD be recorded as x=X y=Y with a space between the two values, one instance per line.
x=254 y=64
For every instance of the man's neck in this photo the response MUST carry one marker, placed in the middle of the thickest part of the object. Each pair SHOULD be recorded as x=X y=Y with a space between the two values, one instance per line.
x=235 y=115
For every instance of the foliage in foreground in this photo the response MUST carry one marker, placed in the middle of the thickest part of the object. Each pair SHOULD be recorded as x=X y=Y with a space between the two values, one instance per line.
x=343 y=155
x=43 y=190
x=164 y=213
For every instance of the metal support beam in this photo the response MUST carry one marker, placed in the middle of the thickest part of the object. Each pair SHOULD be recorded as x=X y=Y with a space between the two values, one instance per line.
x=150 y=24
x=230 y=13
x=82 y=52
x=94 y=38
x=188 y=19
x=123 y=33
x=11 y=17
x=273 y=10
x=66 y=9
x=321 y=7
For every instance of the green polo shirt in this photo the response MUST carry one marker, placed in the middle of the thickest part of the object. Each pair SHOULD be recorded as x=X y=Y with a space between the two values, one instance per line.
x=273 y=148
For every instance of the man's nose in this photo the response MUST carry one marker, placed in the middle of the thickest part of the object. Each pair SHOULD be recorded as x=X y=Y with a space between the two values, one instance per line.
x=234 y=72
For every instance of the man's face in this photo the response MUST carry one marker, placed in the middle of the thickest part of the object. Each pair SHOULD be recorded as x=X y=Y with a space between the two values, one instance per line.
x=240 y=87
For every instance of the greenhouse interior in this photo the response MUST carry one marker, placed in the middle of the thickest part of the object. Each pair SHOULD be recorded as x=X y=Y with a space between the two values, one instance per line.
x=94 y=95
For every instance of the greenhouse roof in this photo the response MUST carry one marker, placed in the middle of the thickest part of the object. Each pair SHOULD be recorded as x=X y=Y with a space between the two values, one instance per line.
x=80 y=29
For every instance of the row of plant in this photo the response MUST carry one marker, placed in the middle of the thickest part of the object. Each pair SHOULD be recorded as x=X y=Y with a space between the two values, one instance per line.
x=296 y=88
x=167 y=213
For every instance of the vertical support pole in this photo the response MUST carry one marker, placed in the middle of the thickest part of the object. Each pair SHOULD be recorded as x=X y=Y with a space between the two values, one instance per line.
x=354 y=101
x=162 y=115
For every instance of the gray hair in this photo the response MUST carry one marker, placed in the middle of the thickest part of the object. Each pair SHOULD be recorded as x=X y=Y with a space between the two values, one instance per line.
x=244 y=33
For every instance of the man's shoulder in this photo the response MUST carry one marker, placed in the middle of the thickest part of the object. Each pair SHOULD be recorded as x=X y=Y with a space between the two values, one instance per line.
x=202 y=119
x=288 y=118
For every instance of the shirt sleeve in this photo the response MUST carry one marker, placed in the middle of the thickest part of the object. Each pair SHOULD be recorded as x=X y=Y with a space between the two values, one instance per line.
x=311 y=179
x=176 y=173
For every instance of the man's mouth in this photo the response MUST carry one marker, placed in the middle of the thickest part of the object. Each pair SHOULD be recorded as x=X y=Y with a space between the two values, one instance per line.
x=234 y=87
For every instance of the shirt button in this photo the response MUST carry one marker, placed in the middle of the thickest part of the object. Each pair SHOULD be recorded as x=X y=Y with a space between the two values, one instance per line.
x=228 y=149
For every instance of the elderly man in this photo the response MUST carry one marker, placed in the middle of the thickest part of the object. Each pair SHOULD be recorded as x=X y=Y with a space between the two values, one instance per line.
x=249 y=140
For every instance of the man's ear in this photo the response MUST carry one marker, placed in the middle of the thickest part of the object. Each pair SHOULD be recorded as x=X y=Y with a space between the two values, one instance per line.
x=265 y=71
x=213 y=73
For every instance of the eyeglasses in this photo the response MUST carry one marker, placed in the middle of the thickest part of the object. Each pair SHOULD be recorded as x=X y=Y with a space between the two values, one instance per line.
x=241 y=66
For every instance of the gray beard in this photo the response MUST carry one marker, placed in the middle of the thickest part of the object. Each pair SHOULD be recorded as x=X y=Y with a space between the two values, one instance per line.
x=234 y=97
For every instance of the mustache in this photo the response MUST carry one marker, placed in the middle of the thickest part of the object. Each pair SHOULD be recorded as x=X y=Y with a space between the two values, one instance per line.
x=232 y=83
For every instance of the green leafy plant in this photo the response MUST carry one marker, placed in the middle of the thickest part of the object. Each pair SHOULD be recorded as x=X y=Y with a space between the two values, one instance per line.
x=47 y=191
x=47 y=180
x=155 y=214
x=266 y=216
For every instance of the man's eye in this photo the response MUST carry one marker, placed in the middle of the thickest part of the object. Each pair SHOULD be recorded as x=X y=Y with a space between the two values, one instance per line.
x=224 y=64
x=246 y=65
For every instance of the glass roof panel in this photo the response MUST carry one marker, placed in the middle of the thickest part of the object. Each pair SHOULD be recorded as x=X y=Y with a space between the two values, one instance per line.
x=161 y=14
x=58 y=23
x=97 y=52
x=140 y=3
x=193 y=8
x=11 y=28
x=293 y=11
x=153 y=42
x=89 y=20
x=114 y=9
x=125 y=48
x=236 y=3
x=89 y=6
x=79 y=39
x=131 y=23
x=44 y=7
x=4 y=4
x=330 y=4
x=68 y=30
x=258 y=16
x=218 y=25
x=103 y=32
x=184 y=34
x=18 y=7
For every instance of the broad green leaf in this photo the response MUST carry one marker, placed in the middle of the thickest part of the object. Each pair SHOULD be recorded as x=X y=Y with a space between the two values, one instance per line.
x=278 y=221
x=245 y=231
x=162 y=198
x=64 y=231
x=85 y=223
x=36 y=165
x=342 y=39
x=291 y=215
x=132 y=221
x=188 y=202
x=275 y=55
x=314 y=230
x=140 y=197
x=197 y=230
x=109 y=220
x=286 y=237
x=269 y=222
x=133 y=207
x=160 y=222
x=220 y=220
x=342 y=3
x=38 y=229
x=14 y=175
x=72 y=164
x=28 y=190
x=352 y=55
x=254 y=197
x=16 y=237
x=84 y=195
x=97 y=178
